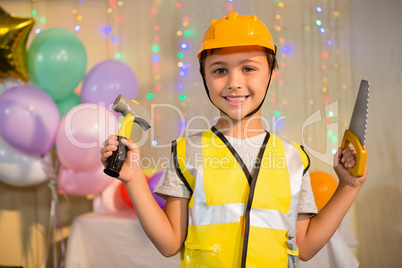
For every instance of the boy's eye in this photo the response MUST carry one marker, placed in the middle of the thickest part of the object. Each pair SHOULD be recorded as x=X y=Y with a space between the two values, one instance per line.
x=248 y=69
x=220 y=71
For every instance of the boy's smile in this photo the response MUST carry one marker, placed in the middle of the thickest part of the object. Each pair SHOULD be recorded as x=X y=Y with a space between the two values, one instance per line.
x=236 y=100
x=237 y=78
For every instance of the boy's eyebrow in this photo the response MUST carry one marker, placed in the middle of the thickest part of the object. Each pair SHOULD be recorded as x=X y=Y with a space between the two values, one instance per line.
x=241 y=62
x=217 y=63
x=250 y=60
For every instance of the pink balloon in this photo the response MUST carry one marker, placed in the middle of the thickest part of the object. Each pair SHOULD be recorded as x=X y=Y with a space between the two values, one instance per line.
x=81 y=135
x=109 y=201
x=83 y=182
x=29 y=119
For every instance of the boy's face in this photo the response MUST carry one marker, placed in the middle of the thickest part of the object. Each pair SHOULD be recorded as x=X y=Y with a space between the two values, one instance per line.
x=237 y=78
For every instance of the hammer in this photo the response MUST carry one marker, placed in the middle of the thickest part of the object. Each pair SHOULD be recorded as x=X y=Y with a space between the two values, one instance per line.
x=131 y=110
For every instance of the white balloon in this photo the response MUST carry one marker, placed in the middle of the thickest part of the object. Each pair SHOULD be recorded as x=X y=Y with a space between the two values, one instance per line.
x=9 y=82
x=20 y=169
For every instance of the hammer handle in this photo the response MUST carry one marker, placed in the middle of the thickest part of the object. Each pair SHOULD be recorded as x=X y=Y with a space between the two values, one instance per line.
x=115 y=162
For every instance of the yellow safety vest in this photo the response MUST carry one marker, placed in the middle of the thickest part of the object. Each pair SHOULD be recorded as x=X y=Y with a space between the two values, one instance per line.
x=237 y=218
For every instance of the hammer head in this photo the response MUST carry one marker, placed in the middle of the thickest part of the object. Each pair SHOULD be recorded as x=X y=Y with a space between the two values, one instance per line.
x=124 y=106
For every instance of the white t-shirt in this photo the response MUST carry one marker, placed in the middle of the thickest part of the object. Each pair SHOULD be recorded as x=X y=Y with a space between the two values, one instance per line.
x=171 y=185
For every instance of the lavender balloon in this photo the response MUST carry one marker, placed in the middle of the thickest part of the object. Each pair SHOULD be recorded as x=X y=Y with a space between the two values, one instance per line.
x=152 y=183
x=29 y=119
x=106 y=81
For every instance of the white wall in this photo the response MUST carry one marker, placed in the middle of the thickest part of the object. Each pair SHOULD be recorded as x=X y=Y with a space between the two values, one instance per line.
x=376 y=39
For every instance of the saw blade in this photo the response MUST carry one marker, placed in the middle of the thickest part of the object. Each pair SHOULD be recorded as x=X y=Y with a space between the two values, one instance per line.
x=358 y=122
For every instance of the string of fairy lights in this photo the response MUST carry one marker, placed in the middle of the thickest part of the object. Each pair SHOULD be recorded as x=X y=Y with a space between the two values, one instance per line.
x=283 y=49
x=39 y=18
x=77 y=15
x=156 y=58
x=321 y=23
x=183 y=34
x=111 y=30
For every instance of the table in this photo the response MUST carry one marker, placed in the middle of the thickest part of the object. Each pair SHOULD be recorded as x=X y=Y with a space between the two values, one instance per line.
x=112 y=240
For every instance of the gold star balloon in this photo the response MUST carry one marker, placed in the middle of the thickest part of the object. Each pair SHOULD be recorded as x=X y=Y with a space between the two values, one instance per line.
x=14 y=34
x=2 y=11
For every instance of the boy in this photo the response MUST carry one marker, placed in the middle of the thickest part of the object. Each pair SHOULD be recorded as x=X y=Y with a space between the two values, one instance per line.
x=234 y=207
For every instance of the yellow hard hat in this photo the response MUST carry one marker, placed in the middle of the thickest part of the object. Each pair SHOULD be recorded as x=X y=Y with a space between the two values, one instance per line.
x=236 y=30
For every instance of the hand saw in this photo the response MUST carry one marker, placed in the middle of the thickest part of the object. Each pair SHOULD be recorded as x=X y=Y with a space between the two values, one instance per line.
x=356 y=134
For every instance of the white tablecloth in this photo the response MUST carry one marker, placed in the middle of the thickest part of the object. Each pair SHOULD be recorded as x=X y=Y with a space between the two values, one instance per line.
x=112 y=240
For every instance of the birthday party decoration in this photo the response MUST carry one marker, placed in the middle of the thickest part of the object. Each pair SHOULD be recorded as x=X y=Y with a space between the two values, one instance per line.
x=66 y=104
x=19 y=169
x=77 y=15
x=152 y=183
x=183 y=65
x=111 y=30
x=9 y=82
x=106 y=81
x=124 y=195
x=81 y=134
x=14 y=34
x=57 y=62
x=324 y=186
x=29 y=119
x=82 y=183
x=2 y=11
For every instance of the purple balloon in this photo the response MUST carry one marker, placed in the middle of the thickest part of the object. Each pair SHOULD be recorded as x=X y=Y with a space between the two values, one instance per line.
x=29 y=119
x=153 y=181
x=106 y=81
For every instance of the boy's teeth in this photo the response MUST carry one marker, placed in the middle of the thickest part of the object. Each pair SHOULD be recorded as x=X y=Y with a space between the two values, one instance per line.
x=236 y=98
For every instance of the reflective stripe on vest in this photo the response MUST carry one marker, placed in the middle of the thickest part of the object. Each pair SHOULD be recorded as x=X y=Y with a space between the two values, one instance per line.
x=223 y=203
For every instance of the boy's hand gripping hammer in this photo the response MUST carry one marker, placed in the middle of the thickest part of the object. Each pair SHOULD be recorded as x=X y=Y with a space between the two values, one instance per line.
x=131 y=111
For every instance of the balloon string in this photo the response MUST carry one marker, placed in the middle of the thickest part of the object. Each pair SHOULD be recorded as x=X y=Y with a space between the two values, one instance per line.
x=59 y=190
x=49 y=232
x=54 y=212
x=62 y=241
x=63 y=247
x=54 y=238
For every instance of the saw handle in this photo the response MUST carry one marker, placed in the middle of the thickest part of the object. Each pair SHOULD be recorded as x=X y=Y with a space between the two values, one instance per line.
x=361 y=153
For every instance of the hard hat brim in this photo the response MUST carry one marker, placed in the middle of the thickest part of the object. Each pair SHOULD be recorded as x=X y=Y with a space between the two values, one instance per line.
x=251 y=41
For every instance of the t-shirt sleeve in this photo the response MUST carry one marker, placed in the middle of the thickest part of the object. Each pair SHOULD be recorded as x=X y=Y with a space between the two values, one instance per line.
x=170 y=183
x=307 y=202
